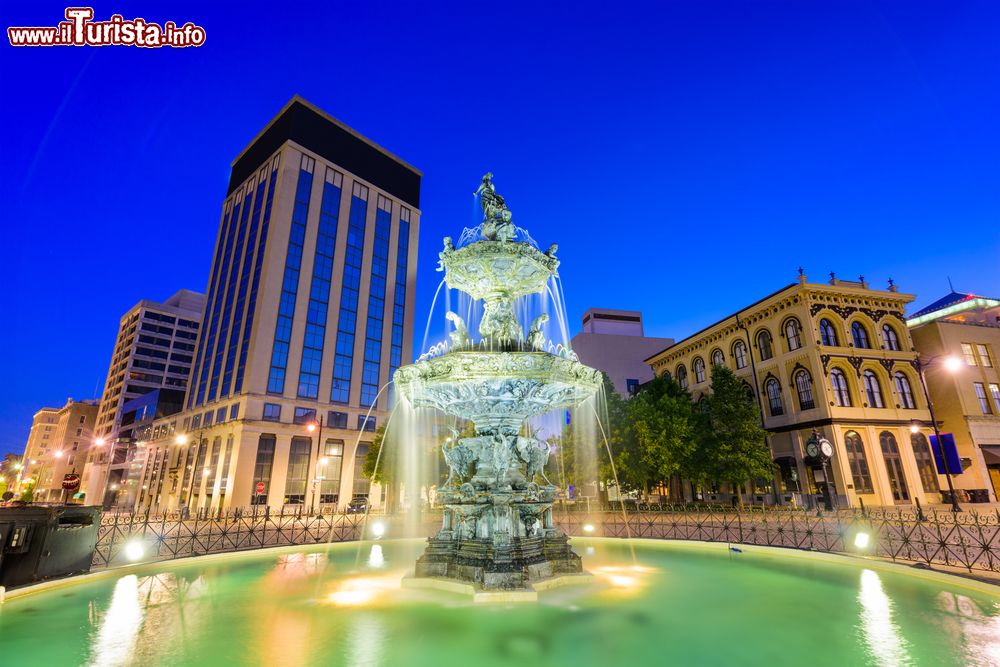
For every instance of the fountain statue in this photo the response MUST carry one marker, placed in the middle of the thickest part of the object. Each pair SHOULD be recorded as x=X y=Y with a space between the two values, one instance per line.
x=498 y=532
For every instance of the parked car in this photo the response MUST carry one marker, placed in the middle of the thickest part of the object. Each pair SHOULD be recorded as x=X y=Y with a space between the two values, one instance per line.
x=357 y=506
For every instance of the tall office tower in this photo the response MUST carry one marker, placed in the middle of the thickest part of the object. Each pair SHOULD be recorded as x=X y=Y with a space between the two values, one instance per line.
x=309 y=312
x=613 y=341
x=154 y=349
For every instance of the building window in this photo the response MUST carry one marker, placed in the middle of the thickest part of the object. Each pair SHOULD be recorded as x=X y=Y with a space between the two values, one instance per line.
x=631 y=386
x=803 y=386
x=717 y=358
x=873 y=390
x=740 y=354
x=827 y=333
x=984 y=356
x=858 y=463
x=304 y=416
x=234 y=411
x=262 y=468
x=207 y=418
x=894 y=466
x=255 y=283
x=699 y=370
x=372 y=365
x=969 y=354
x=399 y=295
x=329 y=471
x=336 y=419
x=340 y=389
x=773 y=390
x=905 y=391
x=298 y=471
x=319 y=288
x=290 y=279
x=366 y=423
x=682 y=377
x=995 y=392
x=764 y=345
x=793 y=334
x=891 y=339
x=272 y=412
x=361 y=483
x=984 y=404
x=860 y=335
x=925 y=462
x=220 y=415
x=841 y=394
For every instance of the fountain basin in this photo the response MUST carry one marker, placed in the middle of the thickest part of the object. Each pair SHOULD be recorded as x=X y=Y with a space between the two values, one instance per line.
x=689 y=603
x=497 y=388
x=485 y=269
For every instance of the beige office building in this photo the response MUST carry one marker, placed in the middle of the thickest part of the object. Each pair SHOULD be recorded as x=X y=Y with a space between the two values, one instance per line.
x=613 y=341
x=967 y=400
x=58 y=444
x=836 y=358
x=309 y=311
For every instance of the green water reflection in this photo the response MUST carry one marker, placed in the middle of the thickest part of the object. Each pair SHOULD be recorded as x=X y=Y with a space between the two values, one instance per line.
x=342 y=605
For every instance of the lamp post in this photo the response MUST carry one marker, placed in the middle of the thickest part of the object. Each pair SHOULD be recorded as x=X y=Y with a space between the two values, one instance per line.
x=951 y=364
x=318 y=427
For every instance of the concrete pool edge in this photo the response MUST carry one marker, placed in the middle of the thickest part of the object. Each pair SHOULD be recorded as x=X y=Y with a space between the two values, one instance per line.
x=961 y=579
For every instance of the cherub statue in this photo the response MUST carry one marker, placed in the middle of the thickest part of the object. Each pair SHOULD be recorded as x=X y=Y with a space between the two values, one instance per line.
x=460 y=336
x=449 y=248
x=535 y=454
x=536 y=339
x=551 y=252
x=499 y=322
x=458 y=456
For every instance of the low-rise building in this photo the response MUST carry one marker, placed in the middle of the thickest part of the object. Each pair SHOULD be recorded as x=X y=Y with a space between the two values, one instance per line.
x=966 y=400
x=835 y=358
x=613 y=341
x=58 y=443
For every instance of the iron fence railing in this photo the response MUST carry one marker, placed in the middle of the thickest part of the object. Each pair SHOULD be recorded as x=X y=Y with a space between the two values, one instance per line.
x=168 y=536
x=967 y=540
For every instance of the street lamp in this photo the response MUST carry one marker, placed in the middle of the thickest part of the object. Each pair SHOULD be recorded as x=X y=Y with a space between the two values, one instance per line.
x=951 y=364
x=314 y=427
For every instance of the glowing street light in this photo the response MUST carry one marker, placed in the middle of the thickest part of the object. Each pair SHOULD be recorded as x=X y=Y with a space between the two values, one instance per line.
x=861 y=540
x=952 y=364
x=311 y=427
x=58 y=454
x=180 y=439
x=100 y=442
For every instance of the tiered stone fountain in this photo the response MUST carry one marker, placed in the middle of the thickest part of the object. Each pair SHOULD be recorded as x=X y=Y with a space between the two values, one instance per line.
x=498 y=534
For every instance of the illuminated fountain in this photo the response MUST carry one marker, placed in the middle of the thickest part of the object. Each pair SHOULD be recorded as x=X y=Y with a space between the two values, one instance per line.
x=498 y=532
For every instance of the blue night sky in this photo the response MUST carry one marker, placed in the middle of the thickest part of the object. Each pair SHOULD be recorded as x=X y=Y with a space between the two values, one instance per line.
x=686 y=156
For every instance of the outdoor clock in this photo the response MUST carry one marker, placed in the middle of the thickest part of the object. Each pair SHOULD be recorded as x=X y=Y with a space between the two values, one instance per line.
x=826 y=448
x=812 y=449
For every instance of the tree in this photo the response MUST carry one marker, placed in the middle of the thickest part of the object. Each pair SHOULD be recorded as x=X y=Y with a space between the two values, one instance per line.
x=28 y=492
x=732 y=443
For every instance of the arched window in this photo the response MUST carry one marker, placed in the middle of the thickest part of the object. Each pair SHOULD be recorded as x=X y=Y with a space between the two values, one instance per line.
x=827 y=333
x=718 y=359
x=699 y=370
x=858 y=462
x=773 y=390
x=682 y=377
x=893 y=466
x=873 y=390
x=891 y=339
x=905 y=391
x=668 y=375
x=925 y=462
x=740 y=354
x=803 y=386
x=860 y=335
x=764 y=345
x=841 y=394
x=793 y=334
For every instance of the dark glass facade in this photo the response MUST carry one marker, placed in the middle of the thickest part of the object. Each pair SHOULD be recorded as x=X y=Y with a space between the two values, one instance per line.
x=340 y=390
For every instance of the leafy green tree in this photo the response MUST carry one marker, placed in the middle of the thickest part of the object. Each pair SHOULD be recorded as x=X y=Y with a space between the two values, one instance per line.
x=733 y=446
x=664 y=421
x=28 y=492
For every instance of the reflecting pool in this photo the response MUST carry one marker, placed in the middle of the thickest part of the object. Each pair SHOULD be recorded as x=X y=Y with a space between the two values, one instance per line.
x=673 y=603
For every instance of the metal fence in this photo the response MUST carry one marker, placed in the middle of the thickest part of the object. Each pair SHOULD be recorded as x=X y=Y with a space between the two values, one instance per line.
x=124 y=538
x=968 y=540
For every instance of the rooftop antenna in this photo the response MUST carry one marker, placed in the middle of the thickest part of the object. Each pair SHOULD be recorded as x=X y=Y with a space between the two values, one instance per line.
x=952 y=287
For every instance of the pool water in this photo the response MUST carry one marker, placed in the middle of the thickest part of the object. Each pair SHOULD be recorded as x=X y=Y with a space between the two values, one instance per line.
x=675 y=603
